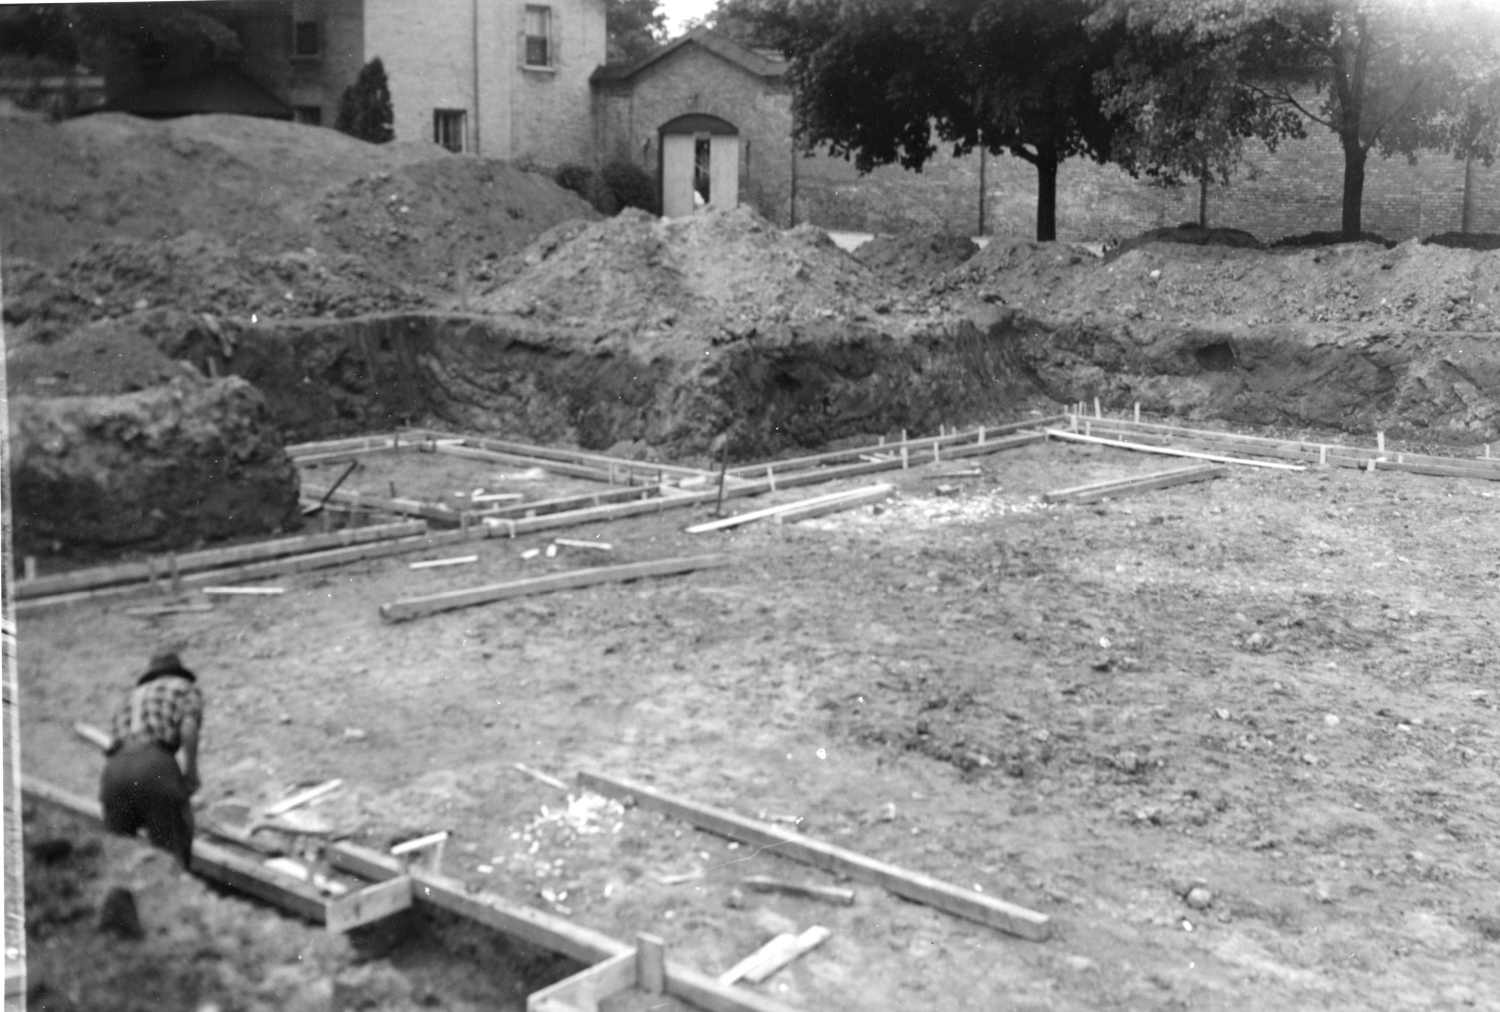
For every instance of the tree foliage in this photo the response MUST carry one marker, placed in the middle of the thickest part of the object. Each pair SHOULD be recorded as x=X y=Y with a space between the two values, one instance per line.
x=884 y=81
x=365 y=107
x=1394 y=77
x=635 y=29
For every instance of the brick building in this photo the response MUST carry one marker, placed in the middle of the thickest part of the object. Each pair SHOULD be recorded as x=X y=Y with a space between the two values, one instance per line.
x=500 y=79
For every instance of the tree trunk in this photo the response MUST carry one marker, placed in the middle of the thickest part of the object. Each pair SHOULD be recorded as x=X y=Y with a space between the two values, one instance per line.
x=1046 y=195
x=1354 y=188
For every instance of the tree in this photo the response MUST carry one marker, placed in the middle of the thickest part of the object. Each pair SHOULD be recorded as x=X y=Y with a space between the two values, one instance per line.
x=879 y=81
x=635 y=29
x=1392 y=76
x=365 y=106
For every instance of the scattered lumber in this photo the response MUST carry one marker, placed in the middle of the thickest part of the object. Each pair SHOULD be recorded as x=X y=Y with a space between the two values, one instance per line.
x=835 y=500
x=859 y=497
x=452 y=560
x=1078 y=437
x=1117 y=487
x=303 y=797
x=541 y=777
x=910 y=885
x=191 y=562
x=97 y=737
x=153 y=611
x=416 y=607
x=804 y=890
x=775 y=954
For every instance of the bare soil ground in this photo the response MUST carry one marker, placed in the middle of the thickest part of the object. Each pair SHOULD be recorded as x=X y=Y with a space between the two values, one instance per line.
x=1239 y=739
x=1278 y=687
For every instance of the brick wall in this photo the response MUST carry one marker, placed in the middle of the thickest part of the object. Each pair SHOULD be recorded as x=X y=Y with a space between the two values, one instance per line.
x=693 y=80
x=551 y=109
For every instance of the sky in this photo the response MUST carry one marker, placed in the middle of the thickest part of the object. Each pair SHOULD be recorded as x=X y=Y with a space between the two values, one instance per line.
x=678 y=11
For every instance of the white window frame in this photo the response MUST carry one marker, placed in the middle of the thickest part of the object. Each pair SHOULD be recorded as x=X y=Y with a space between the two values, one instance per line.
x=549 y=40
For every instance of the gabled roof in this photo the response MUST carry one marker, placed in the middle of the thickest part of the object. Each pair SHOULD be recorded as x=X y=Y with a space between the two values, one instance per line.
x=760 y=63
x=223 y=89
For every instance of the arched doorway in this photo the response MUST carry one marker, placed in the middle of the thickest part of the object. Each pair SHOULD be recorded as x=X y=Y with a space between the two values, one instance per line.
x=700 y=164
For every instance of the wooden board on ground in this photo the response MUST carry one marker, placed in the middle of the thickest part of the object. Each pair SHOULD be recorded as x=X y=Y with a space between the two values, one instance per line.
x=1117 y=487
x=370 y=904
x=775 y=954
x=1170 y=451
x=805 y=890
x=546 y=930
x=910 y=885
x=416 y=607
x=835 y=498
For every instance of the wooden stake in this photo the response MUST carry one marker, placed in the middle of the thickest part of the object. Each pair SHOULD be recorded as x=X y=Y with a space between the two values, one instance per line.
x=1380 y=441
x=905 y=460
x=29 y=565
x=1098 y=411
x=723 y=476
x=650 y=964
x=1137 y=411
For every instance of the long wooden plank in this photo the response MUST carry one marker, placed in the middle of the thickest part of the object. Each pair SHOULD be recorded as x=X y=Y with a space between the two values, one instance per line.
x=1116 y=487
x=415 y=607
x=1458 y=469
x=912 y=885
x=552 y=466
x=562 y=504
x=602 y=461
x=351 y=444
x=739 y=519
x=210 y=860
x=270 y=567
x=962 y=441
x=860 y=497
x=1300 y=449
x=1168 y=451
x=190 y=562
x=438 y=513
x=549 y=931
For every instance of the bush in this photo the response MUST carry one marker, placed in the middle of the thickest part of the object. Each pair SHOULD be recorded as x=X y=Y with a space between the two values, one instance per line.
x=365 y=107
x=630 y=185
x=578 y=178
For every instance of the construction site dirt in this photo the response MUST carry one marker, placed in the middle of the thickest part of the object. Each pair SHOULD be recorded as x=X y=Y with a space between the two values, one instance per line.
x=1236 y=739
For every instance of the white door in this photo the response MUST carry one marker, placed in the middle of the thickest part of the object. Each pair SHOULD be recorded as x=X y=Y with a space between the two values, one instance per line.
x=676 y=175
x=724 y=170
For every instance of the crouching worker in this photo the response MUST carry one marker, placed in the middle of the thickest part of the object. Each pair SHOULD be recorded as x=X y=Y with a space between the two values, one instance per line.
x=143 y=786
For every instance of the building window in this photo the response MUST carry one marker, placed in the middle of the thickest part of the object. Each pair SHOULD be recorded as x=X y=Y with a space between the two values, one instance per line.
x=307 y=40
x=538 y=36
x=312 y=115
x=448 y=128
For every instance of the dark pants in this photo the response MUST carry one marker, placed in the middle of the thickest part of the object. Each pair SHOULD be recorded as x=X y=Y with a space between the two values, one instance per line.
x=143 y=787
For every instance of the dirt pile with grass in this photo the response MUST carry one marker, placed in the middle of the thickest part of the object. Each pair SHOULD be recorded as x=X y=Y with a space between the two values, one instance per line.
x=168 y=467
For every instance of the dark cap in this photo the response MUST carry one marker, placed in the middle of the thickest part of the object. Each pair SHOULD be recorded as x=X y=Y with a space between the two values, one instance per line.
x=164 y=664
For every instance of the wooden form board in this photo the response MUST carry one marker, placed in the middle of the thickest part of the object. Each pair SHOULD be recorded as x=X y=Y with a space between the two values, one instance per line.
x=1169 y=451
x=268 y=567
x=438 y=513
x=365 y=906
x=966 y=441
x=546 y=930
x=910 y=885
x=1117 y=487
x=212 y=861
x=1310 y=451
x=859 y=497
x=583 y=991
x=415 y=607
x=192 y=562
x=353 y=444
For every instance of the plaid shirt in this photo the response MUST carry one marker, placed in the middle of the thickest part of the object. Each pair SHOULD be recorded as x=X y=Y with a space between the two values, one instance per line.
x=164 y=704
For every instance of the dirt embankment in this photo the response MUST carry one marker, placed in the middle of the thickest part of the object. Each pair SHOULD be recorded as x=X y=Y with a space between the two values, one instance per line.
x=168 y=467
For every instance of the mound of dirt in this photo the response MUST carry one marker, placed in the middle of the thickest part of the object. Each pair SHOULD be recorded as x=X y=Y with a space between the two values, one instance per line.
x=168 y=467
x=230 y=215
x=1412 y=285
x=913 y=259
x=1191 y=234
x=675 y=287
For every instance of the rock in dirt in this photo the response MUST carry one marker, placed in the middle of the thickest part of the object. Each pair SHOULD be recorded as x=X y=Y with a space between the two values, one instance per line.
x=168 y=467
x=118 y=915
